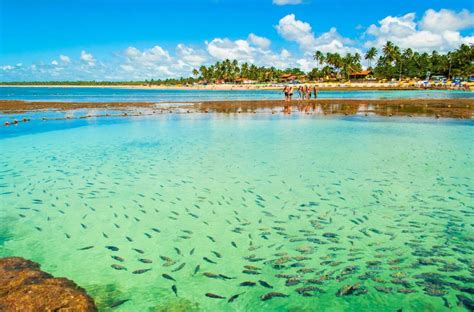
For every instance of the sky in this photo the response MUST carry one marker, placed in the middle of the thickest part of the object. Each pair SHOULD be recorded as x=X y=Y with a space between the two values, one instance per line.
x=144 y=39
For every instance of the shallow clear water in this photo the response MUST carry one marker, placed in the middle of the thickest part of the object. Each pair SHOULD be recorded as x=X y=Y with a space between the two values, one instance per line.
x=331 y=200
x=137 y=95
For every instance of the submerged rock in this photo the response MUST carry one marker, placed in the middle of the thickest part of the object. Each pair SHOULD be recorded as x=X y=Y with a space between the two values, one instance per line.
x=24 y=287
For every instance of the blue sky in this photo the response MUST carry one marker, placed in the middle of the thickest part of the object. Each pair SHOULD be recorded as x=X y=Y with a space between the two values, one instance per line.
x=143 y=39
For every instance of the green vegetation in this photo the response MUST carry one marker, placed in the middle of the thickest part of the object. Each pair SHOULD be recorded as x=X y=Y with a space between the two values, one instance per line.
x=393 y=63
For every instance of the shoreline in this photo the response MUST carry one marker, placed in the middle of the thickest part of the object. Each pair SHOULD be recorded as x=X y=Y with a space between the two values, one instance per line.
x=450 y=108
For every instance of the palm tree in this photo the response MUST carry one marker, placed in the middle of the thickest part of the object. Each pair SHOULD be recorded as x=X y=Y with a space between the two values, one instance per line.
x=370 y=55
x=319 y=57
x=195 y=72
x=391 y=52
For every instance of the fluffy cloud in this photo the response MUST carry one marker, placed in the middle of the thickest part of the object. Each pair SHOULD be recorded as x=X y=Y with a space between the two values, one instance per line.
x=437 y=30
x=261 y=42
x=155 y=62
x=87 y=58
x=294 y=30
x=301 y=32
x=191 y=56
x=254 y=50
x=227 y=49
x=7 y=67
x=54 y=62
x=285 y=2
x=64 y=59
x=446 y=20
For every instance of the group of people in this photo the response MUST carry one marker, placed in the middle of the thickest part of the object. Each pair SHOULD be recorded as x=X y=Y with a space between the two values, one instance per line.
x=304 y=92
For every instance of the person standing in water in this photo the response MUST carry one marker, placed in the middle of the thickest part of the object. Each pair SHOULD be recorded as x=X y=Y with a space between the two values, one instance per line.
x=285 y=91
x=315 y=90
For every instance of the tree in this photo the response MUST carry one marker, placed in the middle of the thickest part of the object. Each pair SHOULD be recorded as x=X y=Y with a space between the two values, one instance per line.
x=391 y=52
x=370 y=55
x=319 y=57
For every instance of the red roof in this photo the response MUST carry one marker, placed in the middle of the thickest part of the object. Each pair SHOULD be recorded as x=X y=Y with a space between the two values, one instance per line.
x=362 y=73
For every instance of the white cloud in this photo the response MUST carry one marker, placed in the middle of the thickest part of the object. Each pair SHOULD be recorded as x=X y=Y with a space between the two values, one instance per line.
x=88 y=58
x=65 y=59
x=437 y=30
x=155 y=62
x=128 y=68
x=191 y=56
x=446 y=20
x=227 y=49
x=247 y=51
x=54 y=62
x=285 y=53
x=258 y=41
x=149 y=56
x=306 y=64
x=301 y=32
x=285 y=2
x=7 y=67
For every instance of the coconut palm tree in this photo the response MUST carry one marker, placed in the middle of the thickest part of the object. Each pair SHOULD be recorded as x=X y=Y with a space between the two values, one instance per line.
x=319 y=57
x=391 y=52
x=370 y=55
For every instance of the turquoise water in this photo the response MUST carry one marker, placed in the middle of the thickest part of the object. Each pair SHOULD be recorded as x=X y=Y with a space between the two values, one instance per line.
x=319 y=202
x=137 y=95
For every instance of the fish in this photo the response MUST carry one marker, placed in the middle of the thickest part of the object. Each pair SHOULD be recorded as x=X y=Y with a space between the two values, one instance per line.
x=141 y=271
x=191 y=251
x=113 y=248
x=118 y=303
x=118 y=267
x=196 y=269
x=271 y=295
x=251 y=272
x=138 y=250
x=211 y=238
x=265 y=284
x=211 y=295
x=145 y=260
x=234 y=297
x=174 y=289
x=209 y=260
x=210 y=275
x=118 y=258
x=86 y=248
x=167 y=259
x=218 y=255
x=168 y=277
x=248 y=284
x=179 y=267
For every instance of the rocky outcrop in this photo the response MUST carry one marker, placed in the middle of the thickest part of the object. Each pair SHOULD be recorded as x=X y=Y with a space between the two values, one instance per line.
x=24 y=287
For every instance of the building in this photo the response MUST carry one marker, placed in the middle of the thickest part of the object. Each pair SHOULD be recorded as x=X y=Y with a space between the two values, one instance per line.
x=363 y=74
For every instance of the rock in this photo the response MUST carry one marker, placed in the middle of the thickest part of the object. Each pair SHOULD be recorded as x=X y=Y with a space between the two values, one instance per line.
x=24 y=287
